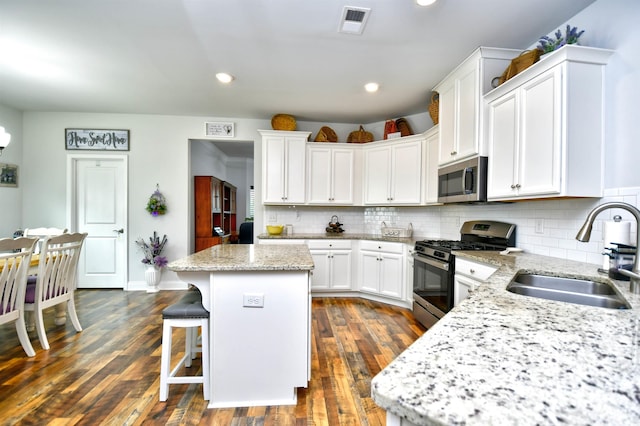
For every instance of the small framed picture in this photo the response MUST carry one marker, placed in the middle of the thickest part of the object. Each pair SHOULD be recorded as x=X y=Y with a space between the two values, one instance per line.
x=219 y=129
x=9 y=175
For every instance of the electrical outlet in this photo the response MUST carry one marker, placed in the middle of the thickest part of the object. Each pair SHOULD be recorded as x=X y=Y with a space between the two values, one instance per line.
x=253 y=300
x=273 y=217
x=539 y=226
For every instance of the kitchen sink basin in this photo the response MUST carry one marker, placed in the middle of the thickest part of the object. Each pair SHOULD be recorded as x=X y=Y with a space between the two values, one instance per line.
x=571 y=290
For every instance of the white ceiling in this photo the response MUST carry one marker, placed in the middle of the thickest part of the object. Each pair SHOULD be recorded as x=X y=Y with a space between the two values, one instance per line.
x=160 y=56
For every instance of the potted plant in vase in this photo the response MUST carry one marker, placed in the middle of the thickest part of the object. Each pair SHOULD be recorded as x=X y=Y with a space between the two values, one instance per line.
x=547 y=44
x=152 y=258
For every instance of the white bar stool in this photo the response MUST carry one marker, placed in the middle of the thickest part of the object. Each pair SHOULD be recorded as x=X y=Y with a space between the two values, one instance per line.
x=189 y=314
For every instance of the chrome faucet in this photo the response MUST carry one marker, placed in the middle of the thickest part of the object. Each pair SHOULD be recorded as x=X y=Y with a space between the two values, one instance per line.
x=585 y=233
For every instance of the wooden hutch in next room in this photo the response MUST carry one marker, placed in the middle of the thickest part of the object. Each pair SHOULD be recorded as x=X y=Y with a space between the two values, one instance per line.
x=215 y=210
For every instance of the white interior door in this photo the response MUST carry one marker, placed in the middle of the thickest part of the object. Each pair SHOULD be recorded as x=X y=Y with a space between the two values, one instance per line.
x=99 y=184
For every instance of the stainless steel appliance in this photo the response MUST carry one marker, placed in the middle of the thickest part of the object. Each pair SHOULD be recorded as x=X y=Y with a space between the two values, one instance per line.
x=463 y=182
x=434 y=262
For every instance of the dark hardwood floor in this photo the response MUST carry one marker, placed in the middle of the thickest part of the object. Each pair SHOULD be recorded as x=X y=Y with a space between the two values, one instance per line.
x=109 y=373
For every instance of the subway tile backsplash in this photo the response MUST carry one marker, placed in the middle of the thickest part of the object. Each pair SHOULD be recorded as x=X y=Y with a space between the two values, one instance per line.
x=546 y=227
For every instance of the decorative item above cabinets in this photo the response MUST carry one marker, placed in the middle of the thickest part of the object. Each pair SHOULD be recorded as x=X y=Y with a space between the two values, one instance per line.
x=545 y=128
x=461 y=110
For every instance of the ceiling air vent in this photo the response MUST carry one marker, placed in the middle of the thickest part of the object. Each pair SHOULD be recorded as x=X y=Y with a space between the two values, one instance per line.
x=353 y=19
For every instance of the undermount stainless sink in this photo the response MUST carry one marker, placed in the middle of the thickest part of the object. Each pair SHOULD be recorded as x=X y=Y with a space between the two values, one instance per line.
x=571 y=290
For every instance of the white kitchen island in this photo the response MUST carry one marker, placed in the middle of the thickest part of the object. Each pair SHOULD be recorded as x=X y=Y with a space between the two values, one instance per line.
x=260 y=320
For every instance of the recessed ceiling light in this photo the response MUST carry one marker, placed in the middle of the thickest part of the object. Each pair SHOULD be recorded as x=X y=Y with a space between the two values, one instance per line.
x=223 y=77
x=371 y=87
x=425 y=2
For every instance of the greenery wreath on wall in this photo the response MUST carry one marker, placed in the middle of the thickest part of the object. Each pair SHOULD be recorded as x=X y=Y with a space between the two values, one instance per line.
x=157 y=204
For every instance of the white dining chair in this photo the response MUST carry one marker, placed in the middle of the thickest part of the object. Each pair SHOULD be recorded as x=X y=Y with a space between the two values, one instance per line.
x=15 y=259
x=41 y=234
x=56 y=280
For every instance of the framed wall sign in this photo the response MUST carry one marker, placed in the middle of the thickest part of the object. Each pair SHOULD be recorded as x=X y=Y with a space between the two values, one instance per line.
x=219 y=129
x=96 y=140
x=9 y=175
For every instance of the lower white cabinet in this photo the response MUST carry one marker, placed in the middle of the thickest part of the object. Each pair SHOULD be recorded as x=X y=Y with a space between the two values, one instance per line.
x=376 y=270
x=468 y=276
x=393 y=420
x=333 y=264
x=382 y=266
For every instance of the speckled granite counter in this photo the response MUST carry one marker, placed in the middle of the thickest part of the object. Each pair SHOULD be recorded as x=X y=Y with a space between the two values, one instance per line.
x=341 y=236
x=502 y=358
x=246 y=257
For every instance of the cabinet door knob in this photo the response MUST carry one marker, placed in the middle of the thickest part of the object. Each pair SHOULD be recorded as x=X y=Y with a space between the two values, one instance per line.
x=513 y=186
x=472 y=271
x=517 y=185
x=454 y=152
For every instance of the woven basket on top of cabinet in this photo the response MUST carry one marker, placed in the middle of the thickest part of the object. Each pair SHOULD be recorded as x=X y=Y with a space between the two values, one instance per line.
x=360 y=136
x=434 y=107
x=519 y=64
x=283 y=122
x=326 y=134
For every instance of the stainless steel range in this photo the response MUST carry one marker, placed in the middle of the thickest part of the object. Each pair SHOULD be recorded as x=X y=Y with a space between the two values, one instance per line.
x=434 y=262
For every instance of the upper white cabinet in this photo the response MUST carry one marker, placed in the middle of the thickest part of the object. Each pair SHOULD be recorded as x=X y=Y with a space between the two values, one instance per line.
x=545 y=128
x=331 y=174
x=462 y=111
x=430 y=166
x=283 y=167
x=393 y=172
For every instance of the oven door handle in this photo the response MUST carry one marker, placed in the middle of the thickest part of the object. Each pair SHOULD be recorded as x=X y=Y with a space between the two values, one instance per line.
x=435 y=263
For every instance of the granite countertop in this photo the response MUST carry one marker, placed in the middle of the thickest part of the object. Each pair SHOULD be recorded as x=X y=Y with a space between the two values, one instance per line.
x=247 y=257
x=503 y=358
x=340 y=236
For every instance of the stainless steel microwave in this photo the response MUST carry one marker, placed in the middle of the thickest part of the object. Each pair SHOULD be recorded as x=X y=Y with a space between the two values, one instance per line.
x=464 y=182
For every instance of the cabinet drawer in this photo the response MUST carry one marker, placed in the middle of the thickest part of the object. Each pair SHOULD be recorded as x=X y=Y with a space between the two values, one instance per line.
x=478 y=271
x=382 y=246
x=329 y=244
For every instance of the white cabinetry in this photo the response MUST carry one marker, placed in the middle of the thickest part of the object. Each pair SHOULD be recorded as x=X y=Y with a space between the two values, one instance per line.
x=283 y=167
x=382 y=266
x=545 y=128
x=331 y=174
x=393 y=420
x=430 y=166
x=393 y=172
x=461 y=110
x=333 y=266
x=468 y=276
